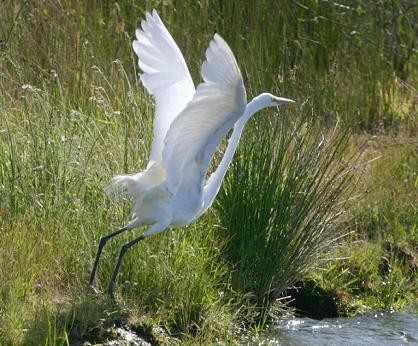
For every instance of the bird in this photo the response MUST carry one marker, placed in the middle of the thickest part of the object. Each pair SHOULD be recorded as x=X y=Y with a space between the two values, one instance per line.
x=189 y=125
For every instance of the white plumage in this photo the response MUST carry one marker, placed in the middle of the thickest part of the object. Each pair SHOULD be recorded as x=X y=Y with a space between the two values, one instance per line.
x=189 y=124
x=165 y=75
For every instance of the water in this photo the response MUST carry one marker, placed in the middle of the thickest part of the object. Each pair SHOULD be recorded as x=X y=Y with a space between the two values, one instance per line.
x=383 y=328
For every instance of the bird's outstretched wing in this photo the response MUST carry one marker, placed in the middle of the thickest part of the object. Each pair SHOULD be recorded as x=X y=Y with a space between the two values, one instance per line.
x=197 y=131
x=165 y=75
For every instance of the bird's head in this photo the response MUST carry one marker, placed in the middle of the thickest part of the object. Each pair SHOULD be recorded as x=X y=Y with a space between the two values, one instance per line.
x=269 y=100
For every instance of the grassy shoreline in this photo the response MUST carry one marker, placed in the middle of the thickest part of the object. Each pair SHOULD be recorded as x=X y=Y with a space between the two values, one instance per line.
x=73 y=114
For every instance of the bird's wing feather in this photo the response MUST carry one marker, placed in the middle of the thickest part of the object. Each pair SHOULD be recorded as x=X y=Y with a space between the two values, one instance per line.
x=165 y=75
x=217 y=104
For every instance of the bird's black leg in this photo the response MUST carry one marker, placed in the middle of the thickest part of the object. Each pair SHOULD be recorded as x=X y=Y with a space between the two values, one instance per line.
x=117 y=268
x=102 y=243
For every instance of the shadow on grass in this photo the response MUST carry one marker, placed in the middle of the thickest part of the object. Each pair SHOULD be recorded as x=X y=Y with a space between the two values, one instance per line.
x=90 y=317
x=311 y=300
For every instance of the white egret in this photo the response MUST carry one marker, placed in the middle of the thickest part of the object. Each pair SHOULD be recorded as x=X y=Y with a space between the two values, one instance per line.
x=189 y=125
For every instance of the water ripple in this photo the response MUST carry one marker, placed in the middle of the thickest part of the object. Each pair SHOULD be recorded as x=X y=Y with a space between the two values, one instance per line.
x=383 y=329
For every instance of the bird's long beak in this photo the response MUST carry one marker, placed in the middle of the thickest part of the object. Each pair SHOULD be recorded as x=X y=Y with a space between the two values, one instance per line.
x=282 y=100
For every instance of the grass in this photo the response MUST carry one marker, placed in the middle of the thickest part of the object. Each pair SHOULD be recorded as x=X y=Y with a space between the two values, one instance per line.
x=376 y=268
x=389 y=223
x=72 y=115
x=294 y=181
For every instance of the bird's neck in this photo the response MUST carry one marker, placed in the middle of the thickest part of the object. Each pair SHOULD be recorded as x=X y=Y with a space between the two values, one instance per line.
x=214 y=182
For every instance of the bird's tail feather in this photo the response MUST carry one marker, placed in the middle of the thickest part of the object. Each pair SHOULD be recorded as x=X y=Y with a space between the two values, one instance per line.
x=136 y=185
x=126 y=186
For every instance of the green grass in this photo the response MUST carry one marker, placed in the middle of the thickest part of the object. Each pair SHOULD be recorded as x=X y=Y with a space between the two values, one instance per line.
x=72 y=115
x=282 y=203
x=376 y=268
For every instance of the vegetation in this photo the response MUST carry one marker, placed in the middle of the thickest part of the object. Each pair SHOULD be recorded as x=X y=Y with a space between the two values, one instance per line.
x=323 y=193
